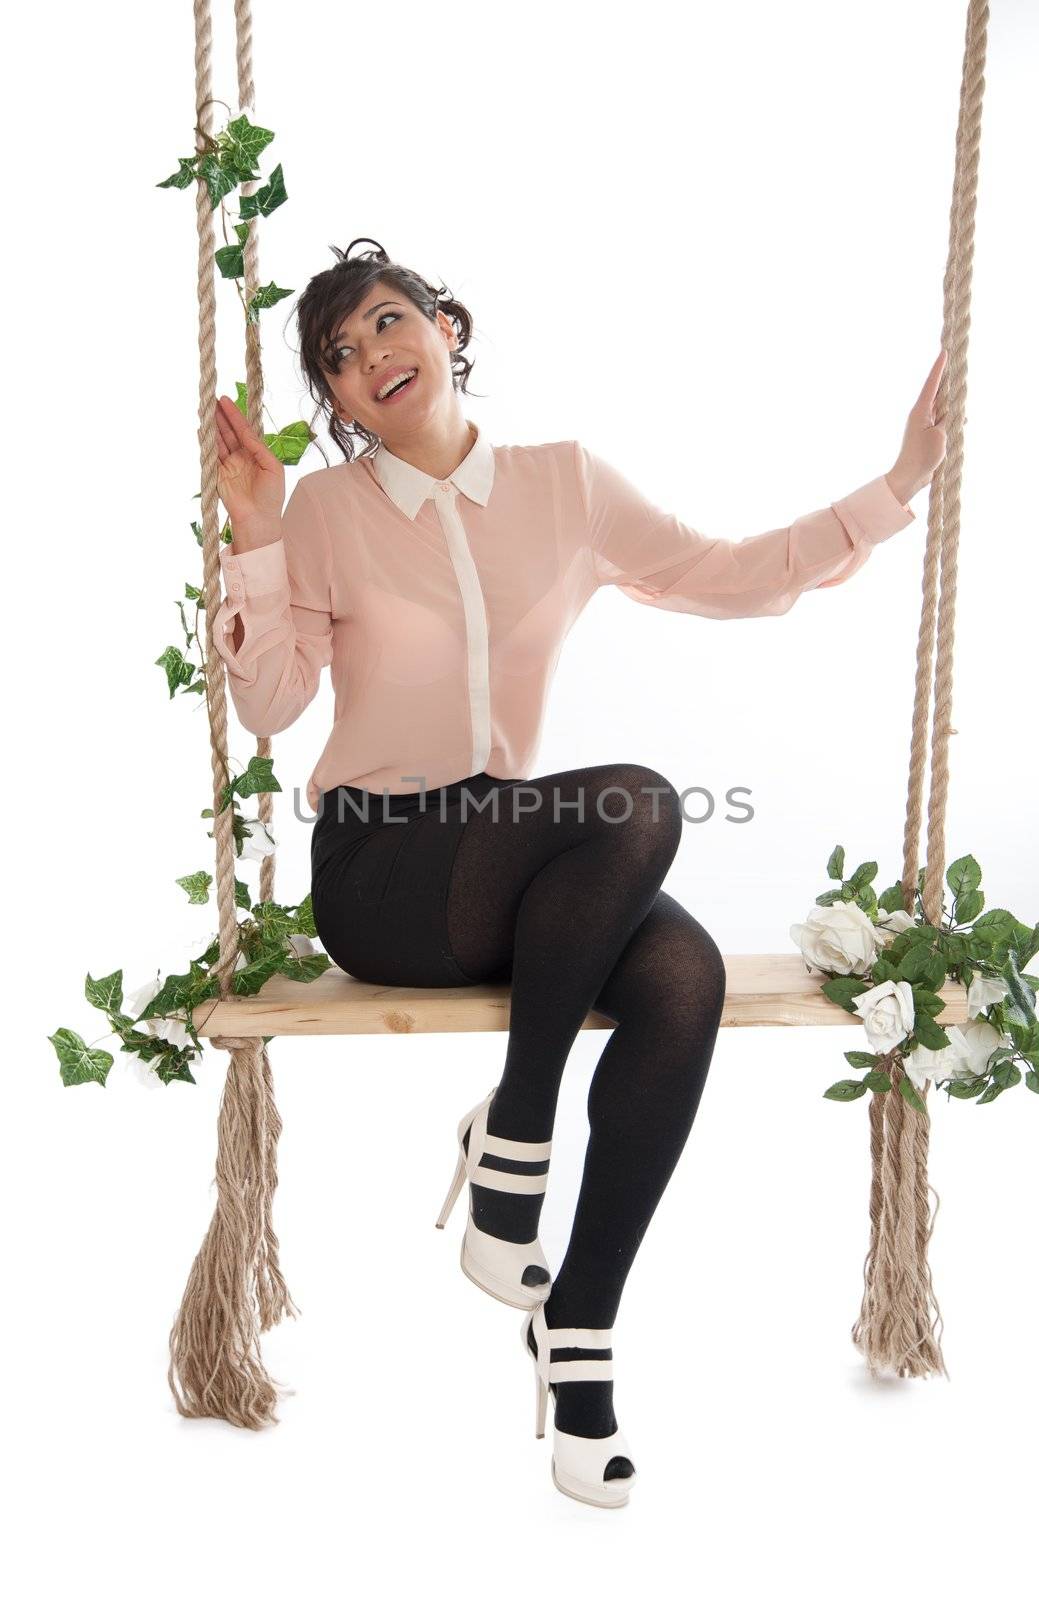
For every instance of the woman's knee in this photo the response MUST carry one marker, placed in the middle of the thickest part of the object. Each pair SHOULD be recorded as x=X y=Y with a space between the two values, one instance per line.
x=641 y=801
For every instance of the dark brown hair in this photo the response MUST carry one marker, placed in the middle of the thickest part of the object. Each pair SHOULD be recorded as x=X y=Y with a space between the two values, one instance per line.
x=333 y=294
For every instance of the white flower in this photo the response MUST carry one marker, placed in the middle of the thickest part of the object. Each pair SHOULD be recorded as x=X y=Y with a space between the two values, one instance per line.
x=132 y=1067
x=838 y=938
x=887 y=1012
x=258 y=842
x=890 y=924
x=171 y=1028
x=984 y=992
x=965 y=1056
x=301 y=944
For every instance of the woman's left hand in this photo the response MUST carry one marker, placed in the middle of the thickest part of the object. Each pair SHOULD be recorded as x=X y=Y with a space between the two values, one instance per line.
x=923 y=444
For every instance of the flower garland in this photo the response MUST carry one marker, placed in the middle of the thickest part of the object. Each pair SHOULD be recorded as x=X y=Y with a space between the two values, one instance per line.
x=888 y=967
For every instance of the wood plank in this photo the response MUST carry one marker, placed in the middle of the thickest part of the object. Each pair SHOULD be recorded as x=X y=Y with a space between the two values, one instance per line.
x=762 y=991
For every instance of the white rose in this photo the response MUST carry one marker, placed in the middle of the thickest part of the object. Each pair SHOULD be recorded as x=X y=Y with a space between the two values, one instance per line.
x=984 y=992
x=887 y=1012
x=127 y=1066
x=965 y=1056
x=301 y=944
x=838 y=938
x=258 y=842
x=890 y=924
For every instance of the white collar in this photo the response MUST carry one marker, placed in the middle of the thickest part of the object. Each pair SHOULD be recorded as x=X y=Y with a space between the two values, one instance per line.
x=409 y=488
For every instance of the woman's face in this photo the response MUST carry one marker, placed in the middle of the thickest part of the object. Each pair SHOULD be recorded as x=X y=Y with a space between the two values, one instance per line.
x=385 y=336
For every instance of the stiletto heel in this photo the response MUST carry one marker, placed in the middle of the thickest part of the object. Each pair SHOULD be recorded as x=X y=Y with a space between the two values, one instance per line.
x=452 y=1193
x=517 y=1274
x=578 y=1464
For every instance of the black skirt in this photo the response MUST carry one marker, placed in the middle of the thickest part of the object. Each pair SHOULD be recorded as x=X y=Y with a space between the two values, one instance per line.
x=380 y=872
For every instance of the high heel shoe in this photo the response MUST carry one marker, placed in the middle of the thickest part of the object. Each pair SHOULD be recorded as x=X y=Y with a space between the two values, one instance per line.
x=517 y=1274
x=578 y=1464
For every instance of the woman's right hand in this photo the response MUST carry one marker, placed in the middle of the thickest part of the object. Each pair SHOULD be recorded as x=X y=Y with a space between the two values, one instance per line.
x=250 y=478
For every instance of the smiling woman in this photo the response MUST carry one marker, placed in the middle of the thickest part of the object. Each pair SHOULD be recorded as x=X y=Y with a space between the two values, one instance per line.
x=369 y=320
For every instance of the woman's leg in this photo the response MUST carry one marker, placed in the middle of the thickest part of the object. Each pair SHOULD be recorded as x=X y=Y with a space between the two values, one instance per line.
x=666 y=994
x=572 y=911
x=548 y=890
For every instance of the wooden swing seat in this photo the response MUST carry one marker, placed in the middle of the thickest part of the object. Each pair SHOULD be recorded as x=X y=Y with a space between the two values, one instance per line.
x=762 y=991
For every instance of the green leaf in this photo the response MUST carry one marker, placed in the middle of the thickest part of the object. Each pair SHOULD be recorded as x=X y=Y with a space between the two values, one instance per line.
x=891 y=899
x=177 y=670
x=230 y=260
x=1006 y=1074
x=845 y=1089
x=305 y=918
x=241 y=895
x=105 y=993
x=248 y=141
x=835 y=865
x=861 y=1058
x=884 y=970
x=929 y=1033
x=967 y=906
x=914 y=964
x=78 y=1063
x=290 y=442
x=304 y=969
x=909 y=1093
x=878 y=1081
x=863 y=874
x=965 y=1088
x=1032 y=1080
x=964 y=874
x=1020 y=993
x=265 y=199
x=267 y=296
x=843 y=990
x=258 y=778
x=993 y=1092
x=196 y=885
x=184 y=176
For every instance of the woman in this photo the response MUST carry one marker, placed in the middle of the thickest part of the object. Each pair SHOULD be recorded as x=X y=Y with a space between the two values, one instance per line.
x=439 y=575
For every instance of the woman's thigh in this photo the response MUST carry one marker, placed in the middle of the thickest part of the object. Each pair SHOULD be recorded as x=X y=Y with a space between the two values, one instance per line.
x=632 y=810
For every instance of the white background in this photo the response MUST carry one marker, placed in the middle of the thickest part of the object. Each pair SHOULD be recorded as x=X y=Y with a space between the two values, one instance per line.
x=709 y=242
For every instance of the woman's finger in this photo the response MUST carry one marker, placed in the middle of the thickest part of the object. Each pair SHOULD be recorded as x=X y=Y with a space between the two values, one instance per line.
x=925 y=399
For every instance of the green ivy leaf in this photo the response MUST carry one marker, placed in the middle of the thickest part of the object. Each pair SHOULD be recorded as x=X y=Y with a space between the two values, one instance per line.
x=196 y=886
x=267 y=296
x=241 y=895
x=105 y=993
x=305 y=918
x=77 y=1062
x=304 y=969
x=230 y=260
x=266 y=199
x=184 y=176
x=177 y=670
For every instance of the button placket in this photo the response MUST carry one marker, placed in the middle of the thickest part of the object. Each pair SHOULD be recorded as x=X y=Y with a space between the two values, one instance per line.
x=477 y=647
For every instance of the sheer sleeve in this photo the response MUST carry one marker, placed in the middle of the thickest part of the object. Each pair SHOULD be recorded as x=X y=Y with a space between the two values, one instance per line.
x=655 y=558
x=282 y=593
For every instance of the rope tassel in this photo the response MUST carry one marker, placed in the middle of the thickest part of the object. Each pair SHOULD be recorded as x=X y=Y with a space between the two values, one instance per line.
x=895 y=1331
x=235 y=1290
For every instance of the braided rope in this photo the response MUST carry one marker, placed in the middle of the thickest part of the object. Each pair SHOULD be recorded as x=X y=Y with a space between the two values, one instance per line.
x=235 y=1289
x=895 y=1329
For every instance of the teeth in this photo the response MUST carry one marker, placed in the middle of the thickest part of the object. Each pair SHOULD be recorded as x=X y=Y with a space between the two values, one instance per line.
x=380 y=394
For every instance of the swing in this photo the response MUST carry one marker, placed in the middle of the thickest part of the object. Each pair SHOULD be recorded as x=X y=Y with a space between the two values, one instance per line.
x=235 y=1289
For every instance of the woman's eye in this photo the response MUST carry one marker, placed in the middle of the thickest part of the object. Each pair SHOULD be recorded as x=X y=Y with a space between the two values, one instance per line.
x=392 y=315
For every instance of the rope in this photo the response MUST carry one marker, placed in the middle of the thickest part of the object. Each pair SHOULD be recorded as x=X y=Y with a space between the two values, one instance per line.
x=895 y=1329
x=235 y=1289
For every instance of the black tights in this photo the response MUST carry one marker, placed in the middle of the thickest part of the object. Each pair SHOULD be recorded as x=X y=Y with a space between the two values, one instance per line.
x=570 y=909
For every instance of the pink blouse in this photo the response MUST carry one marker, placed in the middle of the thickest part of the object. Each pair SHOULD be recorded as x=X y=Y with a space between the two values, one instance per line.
x=442 y=606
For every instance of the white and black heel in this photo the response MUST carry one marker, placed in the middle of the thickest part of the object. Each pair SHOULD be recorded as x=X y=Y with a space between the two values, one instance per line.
x=517 y=1274
x=579 y=1465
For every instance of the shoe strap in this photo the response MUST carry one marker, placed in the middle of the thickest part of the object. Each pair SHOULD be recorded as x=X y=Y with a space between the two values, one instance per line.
x=579 y=1338
x=580 y=1371
x=511 y=1182
x=516 y=1149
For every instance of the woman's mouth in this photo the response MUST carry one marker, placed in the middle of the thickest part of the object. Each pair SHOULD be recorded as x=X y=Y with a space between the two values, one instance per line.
x=401 y=385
